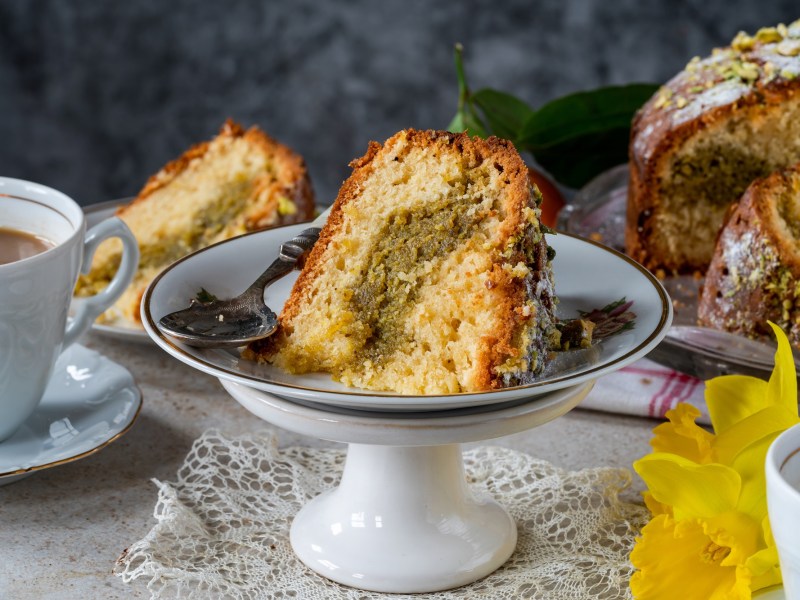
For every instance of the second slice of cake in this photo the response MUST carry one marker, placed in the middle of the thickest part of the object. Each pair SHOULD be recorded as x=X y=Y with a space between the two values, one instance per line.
x=431 y=276
x=241 y=181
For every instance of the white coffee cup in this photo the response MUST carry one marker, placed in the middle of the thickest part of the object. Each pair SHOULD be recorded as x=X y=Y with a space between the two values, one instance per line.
x=35 y=292
x=783 y=502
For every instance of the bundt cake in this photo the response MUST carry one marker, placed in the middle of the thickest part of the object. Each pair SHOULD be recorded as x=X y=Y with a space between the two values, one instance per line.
x=724 y=121
x=431 y=275
x=754 y=275
x=240 y=181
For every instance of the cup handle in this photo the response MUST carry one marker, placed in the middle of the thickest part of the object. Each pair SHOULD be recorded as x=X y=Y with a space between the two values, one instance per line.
x=90 y=308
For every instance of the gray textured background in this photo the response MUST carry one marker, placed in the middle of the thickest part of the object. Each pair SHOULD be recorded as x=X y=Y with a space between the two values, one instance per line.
x=96 y=96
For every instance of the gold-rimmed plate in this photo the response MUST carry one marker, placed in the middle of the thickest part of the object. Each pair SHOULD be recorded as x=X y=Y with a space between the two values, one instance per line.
x=587 y=276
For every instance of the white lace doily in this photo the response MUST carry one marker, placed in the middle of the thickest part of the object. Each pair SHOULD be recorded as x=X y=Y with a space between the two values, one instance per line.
x=223 y=526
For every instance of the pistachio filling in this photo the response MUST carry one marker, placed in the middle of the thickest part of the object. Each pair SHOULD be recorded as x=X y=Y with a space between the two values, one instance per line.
x=714 y=174
x=388 y=287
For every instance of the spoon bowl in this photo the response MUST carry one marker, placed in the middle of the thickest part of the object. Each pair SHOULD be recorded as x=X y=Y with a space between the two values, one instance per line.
x=209 y=322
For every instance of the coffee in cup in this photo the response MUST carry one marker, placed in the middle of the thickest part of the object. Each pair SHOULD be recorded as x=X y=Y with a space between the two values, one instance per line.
x=17 y=245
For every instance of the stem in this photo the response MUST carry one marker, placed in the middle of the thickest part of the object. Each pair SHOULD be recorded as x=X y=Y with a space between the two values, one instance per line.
x=463 y=90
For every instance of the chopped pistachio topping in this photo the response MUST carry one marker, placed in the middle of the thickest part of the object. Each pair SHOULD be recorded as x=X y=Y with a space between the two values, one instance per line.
x=743 y=42
x=768 y=35
x=691 y=66
x=745 y=70
x=663 y=98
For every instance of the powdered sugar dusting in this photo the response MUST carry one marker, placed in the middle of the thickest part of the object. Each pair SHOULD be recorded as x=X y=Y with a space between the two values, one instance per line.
x=721 y=94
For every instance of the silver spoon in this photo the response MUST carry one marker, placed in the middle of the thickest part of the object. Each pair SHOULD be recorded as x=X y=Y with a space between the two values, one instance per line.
x=243 y=319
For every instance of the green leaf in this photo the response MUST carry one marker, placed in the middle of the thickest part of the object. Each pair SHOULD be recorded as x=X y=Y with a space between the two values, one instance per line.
x=467 y=120
x=474 y=125
x=574 y=138
x=584 y=113
x=577 y=161
x=466 y=117
x=504 y=113
x=457 y=125
x=579 y=136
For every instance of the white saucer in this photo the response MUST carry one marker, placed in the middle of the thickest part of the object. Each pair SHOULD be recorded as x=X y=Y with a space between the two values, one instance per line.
x=587 y=276
x=90 y=402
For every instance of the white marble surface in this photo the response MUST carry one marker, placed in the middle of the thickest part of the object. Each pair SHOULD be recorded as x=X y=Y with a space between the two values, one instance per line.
x=62 y=529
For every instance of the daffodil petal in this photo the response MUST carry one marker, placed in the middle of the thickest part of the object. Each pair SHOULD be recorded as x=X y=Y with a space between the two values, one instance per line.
x=693 y=490
x=764 y=561
x=765 y=564
x=731 y=398
x=727 y=444
x=767 y=579
x=766 y=527
x=783 y=382
x=654 y=506
x=682 y=436
x=749 y=463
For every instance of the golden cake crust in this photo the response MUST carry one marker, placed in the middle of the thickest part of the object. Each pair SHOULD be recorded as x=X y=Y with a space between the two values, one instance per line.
x=754 y=275
x=292 y=174
x=509 y=292
x=750 y=82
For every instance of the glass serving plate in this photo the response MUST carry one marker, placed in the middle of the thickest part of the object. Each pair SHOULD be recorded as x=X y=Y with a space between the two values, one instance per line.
x=597 y=212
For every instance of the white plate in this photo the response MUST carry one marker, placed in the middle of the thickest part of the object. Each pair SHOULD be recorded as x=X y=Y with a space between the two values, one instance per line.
x=587 y=276
x=90 y=402
x=120 y=329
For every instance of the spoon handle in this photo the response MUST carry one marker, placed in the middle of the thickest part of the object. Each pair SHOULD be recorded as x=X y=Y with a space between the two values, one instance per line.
x=290 y=252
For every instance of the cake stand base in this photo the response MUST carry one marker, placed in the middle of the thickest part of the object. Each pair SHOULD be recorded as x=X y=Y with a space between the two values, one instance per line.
x=403 y=520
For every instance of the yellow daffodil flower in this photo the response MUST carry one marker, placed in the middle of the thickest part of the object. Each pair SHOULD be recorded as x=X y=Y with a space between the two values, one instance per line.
x=707 y=491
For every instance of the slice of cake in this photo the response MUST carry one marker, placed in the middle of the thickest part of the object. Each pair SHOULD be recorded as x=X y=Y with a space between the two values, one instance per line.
x=431 y=276
x=723 y=122
x=238 y=182
x=754 y=275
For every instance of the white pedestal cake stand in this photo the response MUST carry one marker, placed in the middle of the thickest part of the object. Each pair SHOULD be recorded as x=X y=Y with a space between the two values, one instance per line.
x=403 y=519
